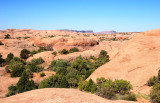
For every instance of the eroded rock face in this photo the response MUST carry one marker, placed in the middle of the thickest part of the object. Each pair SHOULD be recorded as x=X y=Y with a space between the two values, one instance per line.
x=59 y=43
x=136 y=61
x=57 y=95
x=14 y=46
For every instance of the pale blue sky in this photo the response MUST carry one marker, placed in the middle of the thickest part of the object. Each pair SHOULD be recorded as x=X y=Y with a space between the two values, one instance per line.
x=96 y=15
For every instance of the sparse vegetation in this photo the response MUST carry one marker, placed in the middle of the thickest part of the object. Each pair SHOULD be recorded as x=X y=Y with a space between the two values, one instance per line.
x=64 y=51
x=42 y=74
x=1 y=43
x=155 y=91
x=54 y=53
x=23 y=85
x=7 y=36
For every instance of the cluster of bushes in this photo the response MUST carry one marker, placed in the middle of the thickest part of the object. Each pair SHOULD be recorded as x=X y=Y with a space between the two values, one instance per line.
x=109 y=89
x=65 y=51
x=155 y=91
x=23 y=85
x=4 y=62
x=16 y=66
x=73 y=73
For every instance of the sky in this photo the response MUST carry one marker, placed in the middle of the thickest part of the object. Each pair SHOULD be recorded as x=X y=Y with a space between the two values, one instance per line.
x=96 y=15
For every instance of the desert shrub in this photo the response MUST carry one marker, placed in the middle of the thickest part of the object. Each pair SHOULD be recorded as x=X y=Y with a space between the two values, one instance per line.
x=152 y=81
x=24 y=84
x=72 y=82
x=88 y=86
x=92 y=57
x=54 y=53
x=34 y=67
x=103 y=53
x=110 y=89
x=12 y=90
x=155 y=93
x=16 y=59
x=26 y=37
x=17 y=68
x=37 y=61
x=64 y=51
x=7 y=36
x=24 y=54
x=106 y=89
x=33 y=52
x=57 y=81
x=9 y=57
x=59 y=65
x=1 y=60
x=1 y=43
x=73 y=50
x=122 y=86
x=41 y=49
x=49 y=47
x=100 y=61
x=42 y=74
x=159 y=75
x=131 y=97
x=44 y=84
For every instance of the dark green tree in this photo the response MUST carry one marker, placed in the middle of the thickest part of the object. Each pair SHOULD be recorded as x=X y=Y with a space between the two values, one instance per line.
x=64 y=51
x=64 y=83
x=1 y=60
x=24 y=54
x=159 y=75
x=9 y=57
x=7 y=36
x=24 y=84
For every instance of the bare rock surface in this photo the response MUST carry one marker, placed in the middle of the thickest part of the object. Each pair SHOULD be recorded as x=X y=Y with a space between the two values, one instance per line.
x=57 y=95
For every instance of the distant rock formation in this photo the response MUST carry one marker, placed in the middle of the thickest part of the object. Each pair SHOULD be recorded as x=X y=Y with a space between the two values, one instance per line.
x=106 y=32
x=82 y=31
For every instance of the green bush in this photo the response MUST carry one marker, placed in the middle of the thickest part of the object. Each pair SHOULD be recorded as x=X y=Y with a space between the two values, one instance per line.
x=122 y=86
x=54 y=53
x=7 y=36
x=33 y=52
x=57 y=81
x=159 y=75
x=24 y=84
x=42 y=49
x=24 y=54
x=155 y=93
x=88 y=86
x=103 y=53
x=34 y=67
x=59 y=65
x=109 y=89
x=17 y=68
x=10 y=56
x=37 y=61
x=1 y=60
x=42 y=74
x=64 y=51
x=1 y=43
x=73 y=50
x=106 y=89
x=12 y=90
x=152 y=81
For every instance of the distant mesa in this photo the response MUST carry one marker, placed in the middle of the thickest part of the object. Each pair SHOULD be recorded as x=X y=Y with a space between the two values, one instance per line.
x=82 y=31
x=106 y=32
